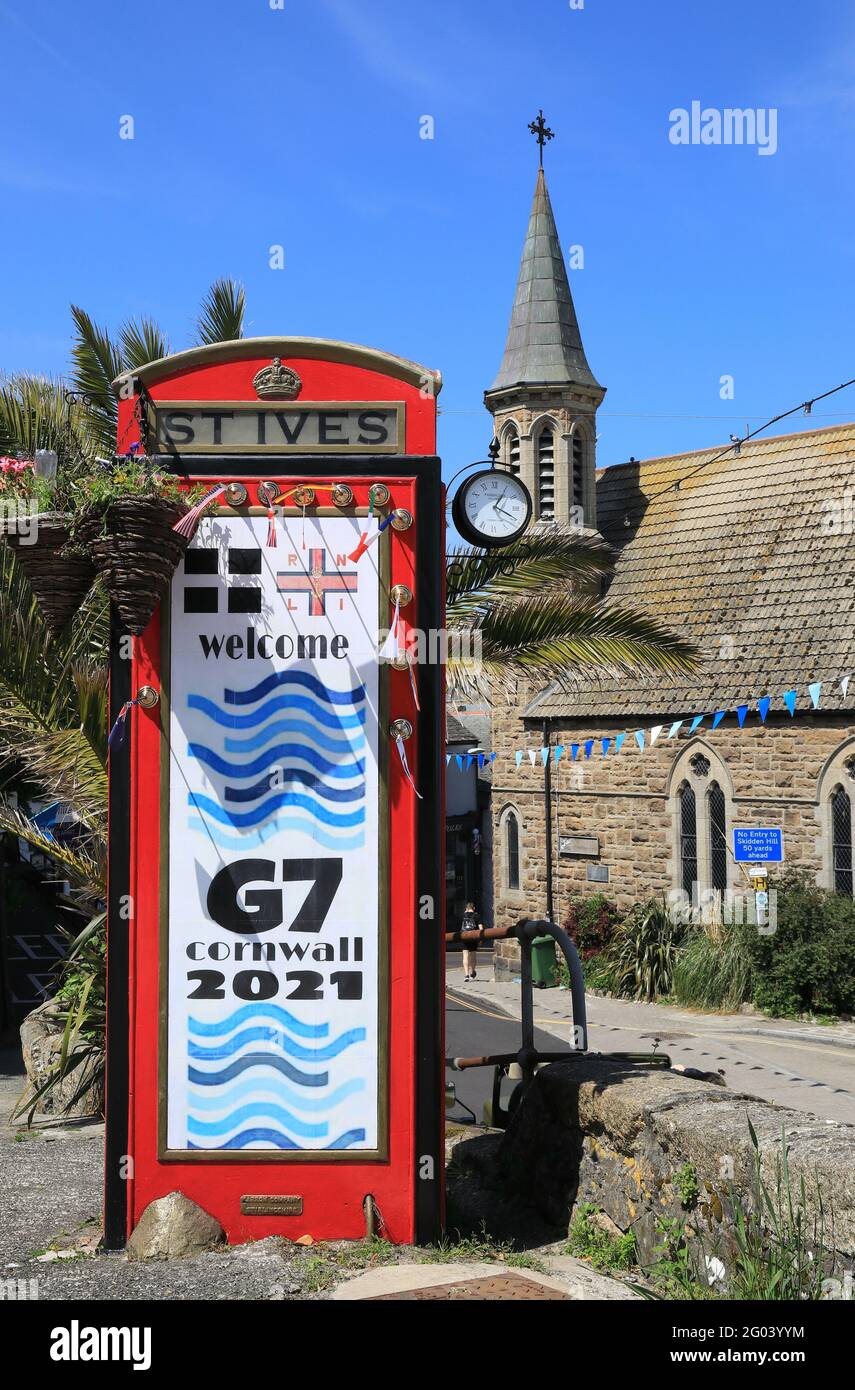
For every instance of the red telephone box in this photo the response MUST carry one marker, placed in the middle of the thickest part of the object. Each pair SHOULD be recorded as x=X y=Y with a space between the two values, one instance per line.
x=275 y=932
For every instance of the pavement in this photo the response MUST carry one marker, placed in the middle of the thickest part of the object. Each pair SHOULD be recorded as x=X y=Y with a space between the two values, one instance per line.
x=809 y=1067
x=50 y=1203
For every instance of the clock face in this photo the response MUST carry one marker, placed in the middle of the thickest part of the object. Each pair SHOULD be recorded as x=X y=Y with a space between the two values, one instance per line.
x=492 y=508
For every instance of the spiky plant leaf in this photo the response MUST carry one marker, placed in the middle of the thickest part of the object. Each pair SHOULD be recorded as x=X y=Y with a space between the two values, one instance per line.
x=85 y=864
x=221 y=313
x=141 y=342
x=556 y=637
x=547 y=556
x=38 y=413
x=96 y=362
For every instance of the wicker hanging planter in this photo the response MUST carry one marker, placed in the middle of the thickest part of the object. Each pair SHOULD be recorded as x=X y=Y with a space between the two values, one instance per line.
x=136 y=553
x=60 y=578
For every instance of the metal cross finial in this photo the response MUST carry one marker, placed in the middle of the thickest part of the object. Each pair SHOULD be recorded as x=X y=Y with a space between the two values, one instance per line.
x=543 y=133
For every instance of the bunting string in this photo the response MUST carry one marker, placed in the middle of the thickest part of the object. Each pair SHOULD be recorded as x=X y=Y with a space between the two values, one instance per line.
x=647 y=737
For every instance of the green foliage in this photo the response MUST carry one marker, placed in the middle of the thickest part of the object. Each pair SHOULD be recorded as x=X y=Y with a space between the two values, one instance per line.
x=685 y=1182
x=807 y=965
x=591 y=923
x=589 y=1241
x=714 y=972
x=131 y=477
x=221 y=313
x=82 y=995
x=36 y=413
x=780 y=1250
x=482 y=1248
x=675 y=1267
x=642 y=956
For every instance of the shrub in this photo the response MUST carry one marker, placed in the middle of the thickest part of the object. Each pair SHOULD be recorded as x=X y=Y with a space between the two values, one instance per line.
x=591 y=924
x=641 y=959
x=714 y=972
x=589 y=1241
x=807 y=965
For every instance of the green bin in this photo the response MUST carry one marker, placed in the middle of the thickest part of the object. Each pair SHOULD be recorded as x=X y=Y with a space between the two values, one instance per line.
x=543 y=962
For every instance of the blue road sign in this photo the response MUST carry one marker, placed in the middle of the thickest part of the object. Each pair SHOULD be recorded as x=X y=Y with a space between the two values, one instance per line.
x=753 y=844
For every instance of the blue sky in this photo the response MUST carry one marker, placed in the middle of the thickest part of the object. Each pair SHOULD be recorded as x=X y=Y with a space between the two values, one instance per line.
x=300 y=126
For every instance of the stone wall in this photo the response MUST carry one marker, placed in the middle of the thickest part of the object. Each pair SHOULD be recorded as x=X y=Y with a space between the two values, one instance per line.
x=599 y=1131
x=780 y=773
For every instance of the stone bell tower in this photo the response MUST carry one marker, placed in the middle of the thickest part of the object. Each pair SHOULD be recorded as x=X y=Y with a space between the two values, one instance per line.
x=545 y=397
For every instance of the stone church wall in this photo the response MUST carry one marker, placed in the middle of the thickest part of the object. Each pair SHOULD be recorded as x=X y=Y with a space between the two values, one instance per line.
x=778 y=774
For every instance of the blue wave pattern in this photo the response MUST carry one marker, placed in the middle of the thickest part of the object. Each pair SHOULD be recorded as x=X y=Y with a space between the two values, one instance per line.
x=310 y=760
x=260 y=1077
x=278 y=1039
x=265 y=1010
x=255 y=1137
x=271 y=829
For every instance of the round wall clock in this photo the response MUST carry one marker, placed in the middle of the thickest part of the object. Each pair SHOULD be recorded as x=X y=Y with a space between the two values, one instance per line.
x=492 y=508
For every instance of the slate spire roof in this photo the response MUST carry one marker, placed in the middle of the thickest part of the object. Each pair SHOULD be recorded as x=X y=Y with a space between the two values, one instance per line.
x=544 y=343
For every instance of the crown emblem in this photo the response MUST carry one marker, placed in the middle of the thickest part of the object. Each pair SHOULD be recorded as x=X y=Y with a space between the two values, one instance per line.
x=277 y=383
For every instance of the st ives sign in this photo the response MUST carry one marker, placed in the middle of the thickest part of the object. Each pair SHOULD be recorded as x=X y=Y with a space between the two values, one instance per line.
x=242 y=427
x=275 y=923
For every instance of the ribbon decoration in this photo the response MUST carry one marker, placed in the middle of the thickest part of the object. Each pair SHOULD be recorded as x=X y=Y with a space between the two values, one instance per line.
x=271 y=527
x=402 y=754
x=391 y=649
x=366 y=544
x=188 y=524
x=116 y=737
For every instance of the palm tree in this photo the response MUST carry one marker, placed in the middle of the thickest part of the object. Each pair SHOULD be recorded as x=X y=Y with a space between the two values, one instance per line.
x=533 y=612
x=97 y=360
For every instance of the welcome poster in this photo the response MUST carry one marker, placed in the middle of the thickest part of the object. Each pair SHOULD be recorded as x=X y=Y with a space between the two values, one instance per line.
x=274 y=924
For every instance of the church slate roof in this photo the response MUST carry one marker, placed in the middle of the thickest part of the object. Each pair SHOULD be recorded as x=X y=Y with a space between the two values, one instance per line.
x=544 y=344
x=743 y=559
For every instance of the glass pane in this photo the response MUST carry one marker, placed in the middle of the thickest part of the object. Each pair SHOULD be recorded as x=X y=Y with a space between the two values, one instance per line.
x=513 y=846
x=688 y=840
x=718 y=838
x=841 y=841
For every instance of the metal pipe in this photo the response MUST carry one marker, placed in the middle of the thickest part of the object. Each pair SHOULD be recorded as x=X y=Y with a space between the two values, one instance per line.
x=529 y=930
x=547 y=814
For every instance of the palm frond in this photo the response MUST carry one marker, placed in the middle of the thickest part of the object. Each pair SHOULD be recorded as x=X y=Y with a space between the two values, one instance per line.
x=545 y=557
x=85 y=865
x=38 y=413
x=142 y=341
x=221 y=313
x=52 y=704
x=555 y=637
x=96 y=361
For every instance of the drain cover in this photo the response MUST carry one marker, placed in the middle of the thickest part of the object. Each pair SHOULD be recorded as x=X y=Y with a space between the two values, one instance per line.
x=513 y=1286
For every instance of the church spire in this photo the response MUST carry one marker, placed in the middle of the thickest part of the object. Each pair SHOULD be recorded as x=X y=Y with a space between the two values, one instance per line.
x=544 y=345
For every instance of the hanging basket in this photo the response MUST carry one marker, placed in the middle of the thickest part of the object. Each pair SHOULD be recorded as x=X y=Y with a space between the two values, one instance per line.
x=60 y=579
x=136 y=553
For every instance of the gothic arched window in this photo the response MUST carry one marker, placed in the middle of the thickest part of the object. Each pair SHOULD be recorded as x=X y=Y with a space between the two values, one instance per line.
x=512 y=850
x=717 y=816
x=688 y=840
x=546 y=475
x=841 y=840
